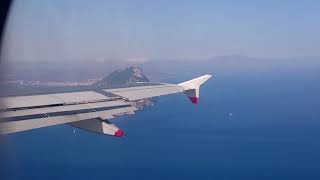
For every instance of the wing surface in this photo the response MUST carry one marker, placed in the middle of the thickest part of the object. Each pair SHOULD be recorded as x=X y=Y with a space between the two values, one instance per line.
x=86 y=109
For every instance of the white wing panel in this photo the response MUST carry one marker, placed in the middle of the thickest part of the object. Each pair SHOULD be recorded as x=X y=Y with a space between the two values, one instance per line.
x=84 y=96
x=142 y=92
x=17 y=126
x=51 y=99
x=61 y=108
x=23 y=125
x=29 y=101
x=132 y=93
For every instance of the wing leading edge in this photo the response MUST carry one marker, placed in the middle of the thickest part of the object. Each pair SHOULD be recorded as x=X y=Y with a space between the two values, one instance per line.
x=87 y=110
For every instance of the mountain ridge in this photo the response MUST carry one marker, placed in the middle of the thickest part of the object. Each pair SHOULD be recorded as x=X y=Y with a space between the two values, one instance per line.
x=127 y=76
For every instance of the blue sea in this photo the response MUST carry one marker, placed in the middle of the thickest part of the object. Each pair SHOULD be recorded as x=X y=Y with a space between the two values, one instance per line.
x=248 y=125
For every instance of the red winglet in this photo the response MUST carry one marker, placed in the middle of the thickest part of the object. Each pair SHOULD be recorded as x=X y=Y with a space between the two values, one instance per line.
x=194 y=100
x=118 y=133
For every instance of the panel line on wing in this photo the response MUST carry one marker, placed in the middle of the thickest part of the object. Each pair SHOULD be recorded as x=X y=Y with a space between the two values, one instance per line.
x=62 y=113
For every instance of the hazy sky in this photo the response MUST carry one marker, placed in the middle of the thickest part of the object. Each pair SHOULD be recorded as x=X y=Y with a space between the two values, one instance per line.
x=146 y=29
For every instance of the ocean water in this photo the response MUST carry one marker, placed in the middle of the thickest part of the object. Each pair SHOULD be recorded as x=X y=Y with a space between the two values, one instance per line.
x=247 y=126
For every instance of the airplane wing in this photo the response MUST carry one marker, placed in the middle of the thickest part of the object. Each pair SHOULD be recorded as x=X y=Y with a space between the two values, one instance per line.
x=89 y=110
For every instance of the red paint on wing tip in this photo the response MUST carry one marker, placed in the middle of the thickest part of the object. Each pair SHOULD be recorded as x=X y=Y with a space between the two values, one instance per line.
x=118 y=133
x=194 y=100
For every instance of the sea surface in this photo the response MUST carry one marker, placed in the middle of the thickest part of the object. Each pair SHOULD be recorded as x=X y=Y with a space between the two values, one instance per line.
x=248 y=125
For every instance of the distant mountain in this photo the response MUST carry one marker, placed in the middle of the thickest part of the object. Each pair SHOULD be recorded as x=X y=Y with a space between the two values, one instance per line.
x=122 y=77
